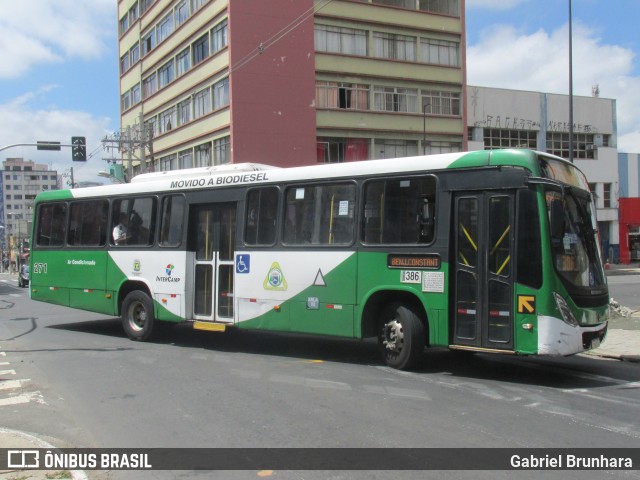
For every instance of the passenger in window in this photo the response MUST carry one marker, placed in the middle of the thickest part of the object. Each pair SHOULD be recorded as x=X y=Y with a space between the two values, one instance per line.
x=120 y=231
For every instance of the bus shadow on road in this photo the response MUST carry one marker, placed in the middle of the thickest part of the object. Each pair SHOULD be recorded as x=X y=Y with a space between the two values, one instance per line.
x=574 y=372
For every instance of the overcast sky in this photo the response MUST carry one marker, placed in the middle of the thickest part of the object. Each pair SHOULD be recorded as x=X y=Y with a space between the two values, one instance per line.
x=59 y=74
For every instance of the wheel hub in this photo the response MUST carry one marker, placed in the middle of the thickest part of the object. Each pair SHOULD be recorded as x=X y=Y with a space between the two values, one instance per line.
x=393 y=336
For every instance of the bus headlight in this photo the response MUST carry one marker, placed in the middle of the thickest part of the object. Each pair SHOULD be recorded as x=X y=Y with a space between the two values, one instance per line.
x=565 y=311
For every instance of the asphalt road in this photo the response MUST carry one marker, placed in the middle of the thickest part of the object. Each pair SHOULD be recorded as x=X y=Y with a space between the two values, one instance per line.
x=87 y=385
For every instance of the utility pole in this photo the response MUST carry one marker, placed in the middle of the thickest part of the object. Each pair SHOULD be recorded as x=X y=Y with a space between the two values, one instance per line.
x=136 y=138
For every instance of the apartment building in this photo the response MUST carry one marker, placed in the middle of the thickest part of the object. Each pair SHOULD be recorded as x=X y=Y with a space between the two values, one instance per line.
x=21 y=180
x=291 y=82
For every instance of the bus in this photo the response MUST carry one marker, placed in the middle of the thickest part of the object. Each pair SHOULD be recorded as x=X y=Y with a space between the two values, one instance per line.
x=487 y=251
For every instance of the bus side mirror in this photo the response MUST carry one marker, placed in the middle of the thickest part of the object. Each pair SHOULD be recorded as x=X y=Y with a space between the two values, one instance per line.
x=556 y=219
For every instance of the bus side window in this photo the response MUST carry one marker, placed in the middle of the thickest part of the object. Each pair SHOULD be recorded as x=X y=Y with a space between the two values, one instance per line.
x=171 y=219
x=260 y=220
x=52 y=221
x=88 y=223
x=399 y=211
x=320 y=214
x=133 y=221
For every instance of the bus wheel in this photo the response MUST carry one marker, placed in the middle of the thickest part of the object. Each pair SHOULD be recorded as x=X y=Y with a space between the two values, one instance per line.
x=137 y=315
x=401 y=337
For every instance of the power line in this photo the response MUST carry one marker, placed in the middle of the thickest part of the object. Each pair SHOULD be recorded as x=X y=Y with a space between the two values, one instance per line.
x=259 y=50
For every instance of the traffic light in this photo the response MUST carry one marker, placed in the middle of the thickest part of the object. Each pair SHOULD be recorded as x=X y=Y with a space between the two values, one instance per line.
x=79 y=149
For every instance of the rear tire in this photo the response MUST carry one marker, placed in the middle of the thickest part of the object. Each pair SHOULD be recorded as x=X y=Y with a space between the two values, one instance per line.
x=401 y=336
x=137 y=316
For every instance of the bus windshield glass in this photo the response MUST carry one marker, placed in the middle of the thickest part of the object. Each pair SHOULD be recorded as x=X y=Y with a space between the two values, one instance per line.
x=562 y=172
x=576 y=253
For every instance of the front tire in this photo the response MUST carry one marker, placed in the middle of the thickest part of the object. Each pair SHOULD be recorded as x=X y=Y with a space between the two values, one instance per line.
x=401 y=337
x=137 y=316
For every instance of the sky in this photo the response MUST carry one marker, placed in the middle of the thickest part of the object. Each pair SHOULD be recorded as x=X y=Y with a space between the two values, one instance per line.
x=59 y=76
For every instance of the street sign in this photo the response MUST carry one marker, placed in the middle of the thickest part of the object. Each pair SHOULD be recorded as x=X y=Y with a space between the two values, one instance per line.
x=48 y=145
x=78 y=149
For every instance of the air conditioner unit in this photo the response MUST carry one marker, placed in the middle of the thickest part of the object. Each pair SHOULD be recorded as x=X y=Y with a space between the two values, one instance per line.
x=591 y=146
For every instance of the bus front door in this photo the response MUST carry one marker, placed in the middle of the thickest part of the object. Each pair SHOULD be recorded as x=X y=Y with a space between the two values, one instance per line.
x=213 y=228
x=483 y=270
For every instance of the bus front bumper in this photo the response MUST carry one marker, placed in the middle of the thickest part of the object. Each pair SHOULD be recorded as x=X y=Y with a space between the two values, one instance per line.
x=557 y=338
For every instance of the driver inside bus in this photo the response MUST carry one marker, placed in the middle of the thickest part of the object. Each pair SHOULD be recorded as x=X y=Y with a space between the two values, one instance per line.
x=120 y=231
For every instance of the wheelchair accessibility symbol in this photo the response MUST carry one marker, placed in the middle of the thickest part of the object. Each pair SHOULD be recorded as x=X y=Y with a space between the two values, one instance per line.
x=243 y=263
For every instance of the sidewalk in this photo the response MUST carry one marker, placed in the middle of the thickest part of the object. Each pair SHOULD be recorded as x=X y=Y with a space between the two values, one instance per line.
x=23 y=441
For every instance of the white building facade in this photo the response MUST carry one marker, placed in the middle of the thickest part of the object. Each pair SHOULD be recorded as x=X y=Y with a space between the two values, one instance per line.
x=500 y=118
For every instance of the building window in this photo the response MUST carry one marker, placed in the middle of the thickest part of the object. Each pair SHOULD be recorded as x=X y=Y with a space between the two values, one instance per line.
x=441 y=103
x=410 y=4
x=196 y=4
x=342 y=95
x=219 y=37
x=181 y=12
x=203 y=155
x=440 y=52
x=125 y=101
x=606 y=196
x=124 y=24
x=149 y=86
x=390 y=99
x=221 y=94
x=135 y=53
x=222 y=151
x=135 y=94
x=583 y=145
x=165 y=27
x=394 y=47
x=133 y=13
x=166 y=74
x=434 y=148
x=337 y=150
x=202 y=103
x=184 y=112
x=348 y=41
x=165 y=162
x=145 y=5
x=447 y=7
x=200 y=49
x=148 y=42
x=185 y=159
x=124 y=63
x=183 y=61
x=167 y=120
x=395 y=148
x=502 y=138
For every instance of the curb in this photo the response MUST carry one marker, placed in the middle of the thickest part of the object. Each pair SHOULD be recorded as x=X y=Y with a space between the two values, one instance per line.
x=39 y=443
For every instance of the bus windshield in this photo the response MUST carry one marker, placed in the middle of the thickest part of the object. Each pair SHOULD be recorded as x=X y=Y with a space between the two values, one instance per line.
x=575 y=249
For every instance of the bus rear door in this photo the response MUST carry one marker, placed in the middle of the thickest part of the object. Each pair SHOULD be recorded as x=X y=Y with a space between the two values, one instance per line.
x=483 y=270
x=213 y=228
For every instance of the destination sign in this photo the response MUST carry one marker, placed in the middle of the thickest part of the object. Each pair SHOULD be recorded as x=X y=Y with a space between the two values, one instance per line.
x=430 y=261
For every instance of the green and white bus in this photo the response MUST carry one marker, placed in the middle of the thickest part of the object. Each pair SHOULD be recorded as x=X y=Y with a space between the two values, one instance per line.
x=488 y=251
